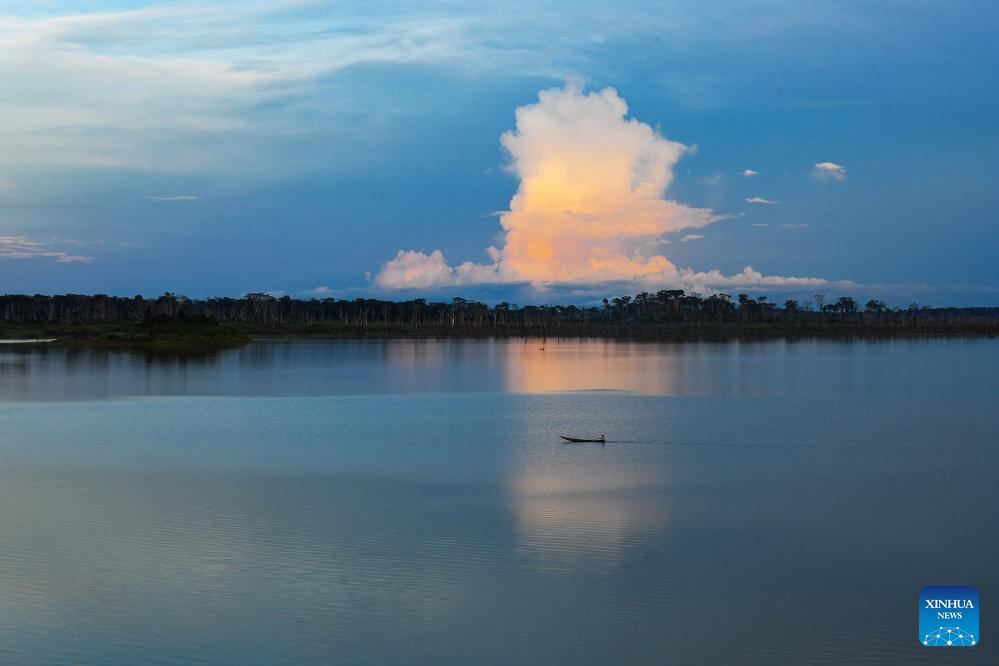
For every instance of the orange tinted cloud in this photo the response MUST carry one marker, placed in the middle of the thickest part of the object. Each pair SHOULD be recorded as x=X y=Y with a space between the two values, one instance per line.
x=591 y=206
x=592 y=186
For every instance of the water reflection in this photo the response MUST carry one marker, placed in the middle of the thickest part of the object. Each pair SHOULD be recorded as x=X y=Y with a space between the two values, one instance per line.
x=588 y=513
x=753 y=368
x=579 y=365
x=161 y=567
x=691 y=368
x=442 y=522
x=339 y=367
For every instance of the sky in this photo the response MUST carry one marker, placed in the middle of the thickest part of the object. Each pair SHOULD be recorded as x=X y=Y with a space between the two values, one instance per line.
x=533 y=152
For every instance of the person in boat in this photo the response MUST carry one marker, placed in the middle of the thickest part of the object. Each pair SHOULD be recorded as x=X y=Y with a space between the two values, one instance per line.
x=602 y=439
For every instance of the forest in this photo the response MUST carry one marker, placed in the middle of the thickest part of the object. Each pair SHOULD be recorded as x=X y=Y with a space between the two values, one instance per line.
x=666 y=314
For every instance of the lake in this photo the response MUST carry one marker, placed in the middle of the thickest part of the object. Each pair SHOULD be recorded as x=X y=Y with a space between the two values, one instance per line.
x=410 y=502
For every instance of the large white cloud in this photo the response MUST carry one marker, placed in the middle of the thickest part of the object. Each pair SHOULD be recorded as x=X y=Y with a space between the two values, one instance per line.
x=591 y=206
x=591 y=195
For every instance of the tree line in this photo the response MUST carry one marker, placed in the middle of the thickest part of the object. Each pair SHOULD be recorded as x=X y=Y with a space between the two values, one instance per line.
x=669 y=309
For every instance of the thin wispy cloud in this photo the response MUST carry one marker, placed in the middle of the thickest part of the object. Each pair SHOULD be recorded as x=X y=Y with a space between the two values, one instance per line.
x=761 y=200
x=760 y=224
x=794 y=226
x=320 y=291
x=176 y=197
x=170 y=88
x=590 y=207
x=748 y=173
x=829 y=171
x=181 y=86
x=22 y=248
x=208 y=86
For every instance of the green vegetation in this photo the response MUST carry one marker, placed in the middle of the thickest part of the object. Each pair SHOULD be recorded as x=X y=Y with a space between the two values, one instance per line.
x=172 y=324
x=171 y=335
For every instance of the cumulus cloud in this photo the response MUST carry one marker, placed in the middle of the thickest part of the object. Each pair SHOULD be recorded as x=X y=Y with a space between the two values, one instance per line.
x=829 y=171
x=691 y=237
x=761 y=200
x=415 y=270
x=20 y=247
x=749 y=173
x=749 y=278
x=176 y=197
x=590 y=199
x=590 y=208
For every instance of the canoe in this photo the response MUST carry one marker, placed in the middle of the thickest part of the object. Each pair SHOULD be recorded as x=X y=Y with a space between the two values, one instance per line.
x=578 y=440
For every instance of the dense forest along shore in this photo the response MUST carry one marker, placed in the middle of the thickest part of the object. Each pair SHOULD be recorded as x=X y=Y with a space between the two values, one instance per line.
x=176 y=324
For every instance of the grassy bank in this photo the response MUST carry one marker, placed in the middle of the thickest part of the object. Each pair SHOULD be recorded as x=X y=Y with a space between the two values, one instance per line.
x=162 y=334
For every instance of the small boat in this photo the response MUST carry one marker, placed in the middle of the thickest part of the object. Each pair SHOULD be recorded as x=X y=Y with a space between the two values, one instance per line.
x=579 y=440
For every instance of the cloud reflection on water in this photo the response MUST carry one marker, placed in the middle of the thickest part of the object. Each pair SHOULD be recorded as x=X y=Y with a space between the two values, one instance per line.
x=580 y=365
x=573 y=505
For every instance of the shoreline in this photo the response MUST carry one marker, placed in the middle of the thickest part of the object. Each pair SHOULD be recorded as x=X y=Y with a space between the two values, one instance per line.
x=130 y=336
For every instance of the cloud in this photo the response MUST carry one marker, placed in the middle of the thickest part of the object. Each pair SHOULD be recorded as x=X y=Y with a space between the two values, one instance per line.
x=761 y=200
x=590 y=200
x=749 y=173
x=829 y=171
x=415 y=270
x=178 y=197
x=590 y=208
x=20 y=247
x=794 y=226
x=760 y=224
x=320 y=291
x=178 y=88
x=217 y=86
x=747 y=278
x=691 y=237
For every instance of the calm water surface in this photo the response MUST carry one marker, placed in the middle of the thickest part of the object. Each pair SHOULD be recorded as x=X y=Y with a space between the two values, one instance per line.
x=409 y=502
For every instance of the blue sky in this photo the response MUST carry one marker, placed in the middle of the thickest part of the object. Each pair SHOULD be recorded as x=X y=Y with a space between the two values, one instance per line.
x=216 y=148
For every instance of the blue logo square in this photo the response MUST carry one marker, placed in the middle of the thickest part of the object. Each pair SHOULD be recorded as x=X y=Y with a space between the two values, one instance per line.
x=948 y=616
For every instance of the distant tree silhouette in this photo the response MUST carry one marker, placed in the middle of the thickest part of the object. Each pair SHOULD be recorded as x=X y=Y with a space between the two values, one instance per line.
x=667 y=312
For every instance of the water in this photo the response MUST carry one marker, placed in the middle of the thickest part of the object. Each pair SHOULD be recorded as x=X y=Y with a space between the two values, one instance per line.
x=409 y=502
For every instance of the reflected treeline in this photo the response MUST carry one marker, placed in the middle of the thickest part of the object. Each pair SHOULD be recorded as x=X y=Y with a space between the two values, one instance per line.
x=666 y=313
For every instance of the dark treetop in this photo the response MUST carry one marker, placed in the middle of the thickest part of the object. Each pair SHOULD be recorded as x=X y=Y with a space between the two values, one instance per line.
x=667 y=314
